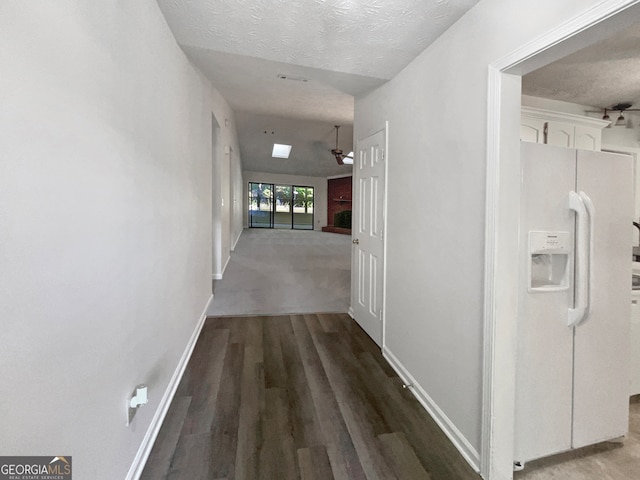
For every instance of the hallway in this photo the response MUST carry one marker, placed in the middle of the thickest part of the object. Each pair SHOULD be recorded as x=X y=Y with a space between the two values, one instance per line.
x=297 y=397
x=285 y=271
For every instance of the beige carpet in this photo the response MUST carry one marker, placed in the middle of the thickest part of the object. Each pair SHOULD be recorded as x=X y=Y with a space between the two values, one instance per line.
x=285 y=271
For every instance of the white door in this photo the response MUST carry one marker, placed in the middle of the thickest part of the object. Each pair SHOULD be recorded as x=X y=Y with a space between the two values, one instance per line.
x=601 y=375
x=367 y=234
x=544 y=373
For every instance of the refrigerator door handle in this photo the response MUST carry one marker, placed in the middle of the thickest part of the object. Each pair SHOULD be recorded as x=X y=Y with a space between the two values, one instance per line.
x=591 y=214
x=581 y=277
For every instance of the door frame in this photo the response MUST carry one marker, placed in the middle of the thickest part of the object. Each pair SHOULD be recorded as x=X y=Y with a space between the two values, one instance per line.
x=354 y=214
x=502 y=216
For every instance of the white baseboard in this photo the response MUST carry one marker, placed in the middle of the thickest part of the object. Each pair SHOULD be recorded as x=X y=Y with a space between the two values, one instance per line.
x=141 y=457
x=350 y=313
x=469 y=453
x=225 y=266
x=236 y=242
x=218 y=276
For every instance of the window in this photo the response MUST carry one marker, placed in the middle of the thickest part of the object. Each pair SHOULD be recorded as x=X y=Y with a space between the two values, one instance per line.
x=280 y=206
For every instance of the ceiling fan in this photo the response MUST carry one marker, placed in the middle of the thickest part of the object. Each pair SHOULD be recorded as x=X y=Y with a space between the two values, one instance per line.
x=336 y=152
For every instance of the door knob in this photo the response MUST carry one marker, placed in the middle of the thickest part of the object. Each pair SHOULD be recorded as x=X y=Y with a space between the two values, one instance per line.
x=355 y=241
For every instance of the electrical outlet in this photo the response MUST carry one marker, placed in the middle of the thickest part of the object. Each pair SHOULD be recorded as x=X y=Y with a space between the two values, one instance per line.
x=131 y=412
x=136 y=400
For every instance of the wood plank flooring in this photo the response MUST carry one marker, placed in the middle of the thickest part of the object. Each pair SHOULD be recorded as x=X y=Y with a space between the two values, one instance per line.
x=305 y=397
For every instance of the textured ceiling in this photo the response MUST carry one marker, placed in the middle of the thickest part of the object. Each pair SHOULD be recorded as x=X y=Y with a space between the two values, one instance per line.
x=342 y=47
x=602 y=75
x=374 y=38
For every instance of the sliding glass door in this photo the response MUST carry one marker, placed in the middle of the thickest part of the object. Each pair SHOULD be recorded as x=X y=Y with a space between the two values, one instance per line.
x=260 y=205
x=303 y=208
x=280 y=206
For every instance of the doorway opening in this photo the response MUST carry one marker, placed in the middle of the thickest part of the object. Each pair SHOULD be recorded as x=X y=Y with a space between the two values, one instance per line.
x=503 y=196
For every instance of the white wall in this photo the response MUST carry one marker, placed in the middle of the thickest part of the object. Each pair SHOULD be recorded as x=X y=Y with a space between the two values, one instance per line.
x=319 y=185
x=437 y=113
x=227 y=189
x=105 y=223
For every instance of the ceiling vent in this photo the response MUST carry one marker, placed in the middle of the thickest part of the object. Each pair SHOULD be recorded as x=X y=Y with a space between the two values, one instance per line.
x=293 y=78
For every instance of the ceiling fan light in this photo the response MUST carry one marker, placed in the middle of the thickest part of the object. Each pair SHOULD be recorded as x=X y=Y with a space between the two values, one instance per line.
x=621 y=120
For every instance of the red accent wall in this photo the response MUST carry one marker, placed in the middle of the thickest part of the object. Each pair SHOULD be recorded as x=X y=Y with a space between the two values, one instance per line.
x=338 y=196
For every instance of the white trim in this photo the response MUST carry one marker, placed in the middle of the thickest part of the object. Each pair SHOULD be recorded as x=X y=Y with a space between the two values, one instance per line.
x=492 y=183
x=457 y=438
x=216 y=276
x=340 y=176
x=233 y=248
x=561 y=34
x=350 y=312
x=144 y=450
x=225 y=265
x=384 y=235
x=500 y=339
x=541 y=114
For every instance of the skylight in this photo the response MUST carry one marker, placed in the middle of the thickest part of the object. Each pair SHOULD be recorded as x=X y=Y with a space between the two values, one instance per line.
x=281 y=151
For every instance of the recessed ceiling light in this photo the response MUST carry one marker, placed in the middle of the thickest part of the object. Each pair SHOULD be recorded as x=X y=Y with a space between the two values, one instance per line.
x=281 y=151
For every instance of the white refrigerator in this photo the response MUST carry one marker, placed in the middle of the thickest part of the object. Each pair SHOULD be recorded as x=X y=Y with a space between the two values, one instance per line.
x=572 y=377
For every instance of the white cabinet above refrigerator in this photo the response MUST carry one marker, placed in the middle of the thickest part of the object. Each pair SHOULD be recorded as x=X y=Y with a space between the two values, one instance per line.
x=561 y=129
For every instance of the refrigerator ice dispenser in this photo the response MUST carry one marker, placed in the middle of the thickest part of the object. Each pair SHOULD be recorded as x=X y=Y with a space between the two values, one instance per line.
x=549 y=263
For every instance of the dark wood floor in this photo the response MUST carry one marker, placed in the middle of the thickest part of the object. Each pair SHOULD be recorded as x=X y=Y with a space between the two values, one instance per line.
x=296 y=397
